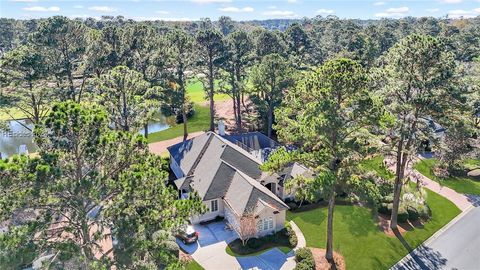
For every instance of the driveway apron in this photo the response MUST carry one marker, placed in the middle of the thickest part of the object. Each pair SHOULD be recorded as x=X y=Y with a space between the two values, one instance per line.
x=210 y=252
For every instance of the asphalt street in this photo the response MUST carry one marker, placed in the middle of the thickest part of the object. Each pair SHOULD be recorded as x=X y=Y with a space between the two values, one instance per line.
x=458 y=247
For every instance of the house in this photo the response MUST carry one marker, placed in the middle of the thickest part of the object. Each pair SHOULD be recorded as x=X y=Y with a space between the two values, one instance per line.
x=224 y=171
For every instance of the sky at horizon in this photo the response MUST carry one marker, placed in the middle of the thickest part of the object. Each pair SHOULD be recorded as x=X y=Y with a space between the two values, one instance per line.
x=185 y=10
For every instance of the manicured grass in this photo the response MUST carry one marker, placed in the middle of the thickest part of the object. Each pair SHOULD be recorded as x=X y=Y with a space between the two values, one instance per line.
x=285 y=249
x=358 y=238
x=197 y=94
x=376 y=164
x=193 y=265
x=461 y=184
x=256 y=247
x=198 y=122
x=16 y=113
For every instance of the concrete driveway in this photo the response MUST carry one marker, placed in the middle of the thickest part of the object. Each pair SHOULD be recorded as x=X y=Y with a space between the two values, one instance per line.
x=274 y=259
x=455 y=248
x=210 y=252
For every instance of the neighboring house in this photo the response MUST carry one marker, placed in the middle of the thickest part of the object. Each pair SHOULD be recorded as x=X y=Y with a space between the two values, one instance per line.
x=225 y=173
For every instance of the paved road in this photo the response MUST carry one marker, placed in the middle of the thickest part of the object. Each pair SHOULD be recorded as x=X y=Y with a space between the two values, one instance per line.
x=456 y=248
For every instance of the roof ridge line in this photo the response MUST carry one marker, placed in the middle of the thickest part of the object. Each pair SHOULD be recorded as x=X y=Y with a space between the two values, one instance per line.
x=200 y=155
x=234 y=146
x=253 y=185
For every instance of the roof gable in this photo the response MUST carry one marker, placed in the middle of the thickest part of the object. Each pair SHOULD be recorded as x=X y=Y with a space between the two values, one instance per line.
x=217 y=168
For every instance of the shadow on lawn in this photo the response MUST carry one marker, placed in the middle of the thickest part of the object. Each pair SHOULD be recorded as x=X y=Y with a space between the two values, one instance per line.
x=422 y=258
x=356 y=221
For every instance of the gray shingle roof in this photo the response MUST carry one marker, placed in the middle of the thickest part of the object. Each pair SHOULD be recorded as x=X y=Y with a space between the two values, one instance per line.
x=220 y=169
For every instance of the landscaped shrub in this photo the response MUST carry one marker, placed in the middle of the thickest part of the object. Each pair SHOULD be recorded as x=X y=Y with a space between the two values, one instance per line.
x=412 y=213
x=303 y=254
x=305 y=265
x=388 y=198
x=424 y=212
x=292 y=237
x=292 y=205
x=402 y=214
x=304 y=258
x=254 y=243
x=383 y=209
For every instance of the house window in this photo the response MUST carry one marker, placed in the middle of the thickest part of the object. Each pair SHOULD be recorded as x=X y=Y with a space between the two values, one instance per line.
x=214 y=206
x=259 y=225
x=265 y=224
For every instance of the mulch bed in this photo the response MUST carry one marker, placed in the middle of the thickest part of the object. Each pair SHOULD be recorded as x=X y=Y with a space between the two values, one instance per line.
x=384 y=225
x=322 y=264
x=183 y=256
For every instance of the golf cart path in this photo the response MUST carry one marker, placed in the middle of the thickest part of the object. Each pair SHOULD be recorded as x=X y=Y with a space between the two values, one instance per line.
x=160 y=147
x=460 y=200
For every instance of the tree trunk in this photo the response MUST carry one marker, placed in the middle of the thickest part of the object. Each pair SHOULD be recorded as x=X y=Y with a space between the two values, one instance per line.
x=331 y=205
x=145 y=130
x=402 y=161
x=237 y=99
x=397 y=189
x=210 y=96
x=212 y=111
x=234 y=108
x=239 y=114
x=269 y=121
x=185 y=130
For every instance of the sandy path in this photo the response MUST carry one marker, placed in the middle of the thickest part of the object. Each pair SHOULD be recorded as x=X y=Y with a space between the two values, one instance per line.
x=160 y=148
x=223 y=110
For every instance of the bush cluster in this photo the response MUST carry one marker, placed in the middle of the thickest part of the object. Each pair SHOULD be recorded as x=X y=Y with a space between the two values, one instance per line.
x=304 y=258
x=292 y=205
x=281 y=238
x=292 y=237
x=412 y=207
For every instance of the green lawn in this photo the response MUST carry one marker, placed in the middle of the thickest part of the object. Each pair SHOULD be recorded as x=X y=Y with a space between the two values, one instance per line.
x=198 y=122
x=194 y=89
x=16 y=113
x=460 y=184
x=193 y=265
x=358 y=238
x=197 y=94
x=376 y=164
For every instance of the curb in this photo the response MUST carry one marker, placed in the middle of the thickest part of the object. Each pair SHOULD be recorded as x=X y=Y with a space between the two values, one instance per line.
x=448 y=225
x=434 y=236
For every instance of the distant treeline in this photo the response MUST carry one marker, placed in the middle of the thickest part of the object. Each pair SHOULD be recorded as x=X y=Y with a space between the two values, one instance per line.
x=364 y=39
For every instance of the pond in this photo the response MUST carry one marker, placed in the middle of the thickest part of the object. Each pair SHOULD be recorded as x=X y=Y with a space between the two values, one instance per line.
x=18 y=139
